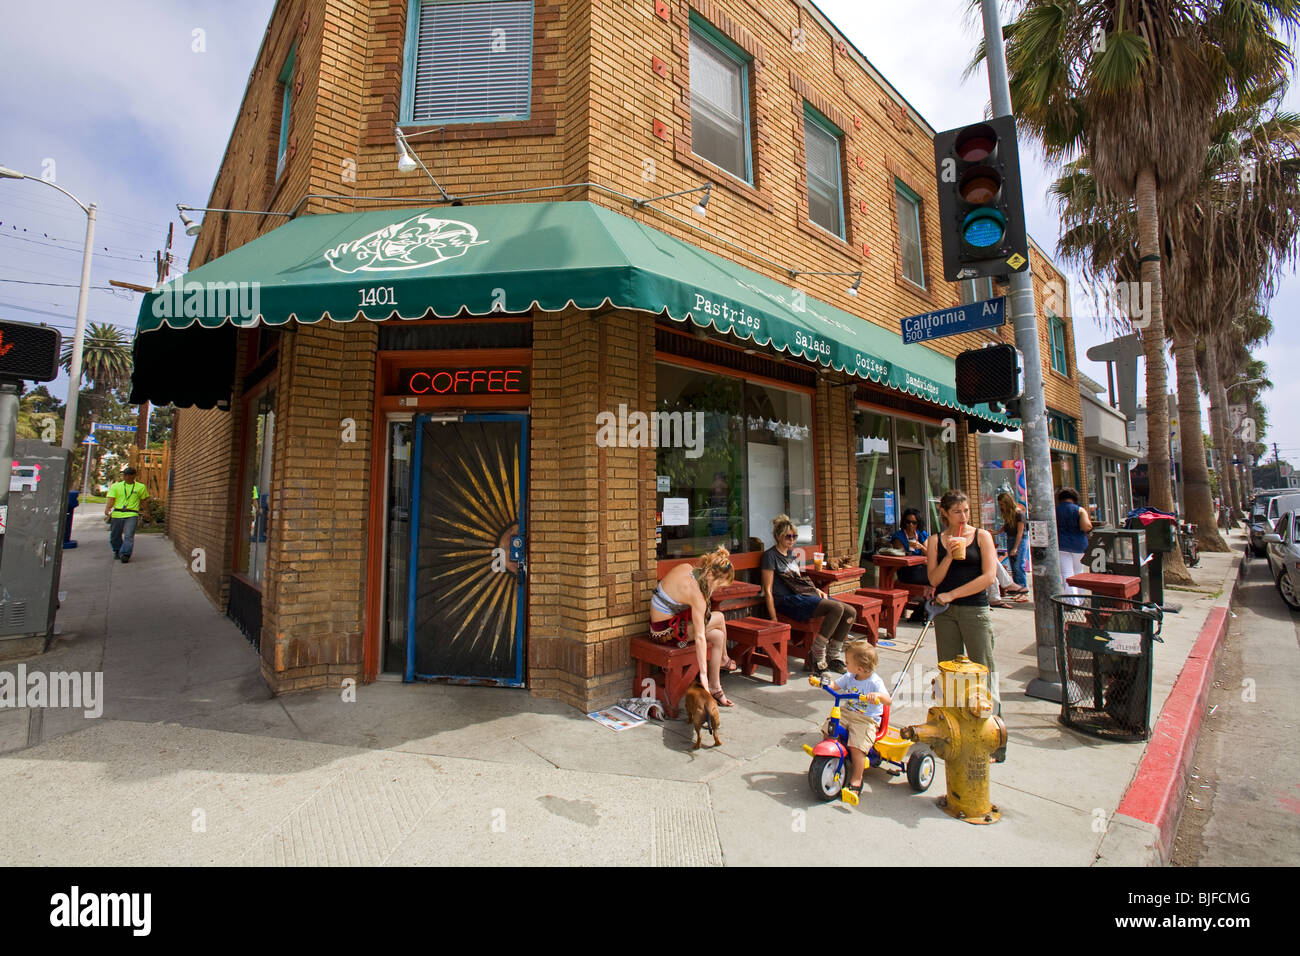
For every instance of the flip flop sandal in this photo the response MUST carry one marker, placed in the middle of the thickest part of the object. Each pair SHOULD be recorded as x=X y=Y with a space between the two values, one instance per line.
x=999 y=604
x=721 y=698
x=729 y=666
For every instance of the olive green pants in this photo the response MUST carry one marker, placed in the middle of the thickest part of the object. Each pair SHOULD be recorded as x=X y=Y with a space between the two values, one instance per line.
x=967 y=629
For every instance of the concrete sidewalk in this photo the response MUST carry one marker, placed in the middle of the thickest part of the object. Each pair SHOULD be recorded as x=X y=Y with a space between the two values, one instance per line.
x=193 y=762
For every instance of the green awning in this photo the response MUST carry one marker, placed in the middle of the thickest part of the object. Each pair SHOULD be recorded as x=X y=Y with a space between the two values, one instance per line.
x=485 y=260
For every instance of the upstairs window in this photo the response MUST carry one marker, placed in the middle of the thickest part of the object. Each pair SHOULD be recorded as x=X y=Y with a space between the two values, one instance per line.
x=468 y=61
x=286 y=106
x=825 y=194
x=719 y=102
x=1057 y=332
x=909 y=234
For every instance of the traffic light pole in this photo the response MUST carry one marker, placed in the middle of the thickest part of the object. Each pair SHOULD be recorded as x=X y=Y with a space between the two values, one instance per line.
x=9 y=389
x=1033 y=413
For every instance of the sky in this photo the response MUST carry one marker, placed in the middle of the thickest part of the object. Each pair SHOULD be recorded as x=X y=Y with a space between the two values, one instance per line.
x=137 y=114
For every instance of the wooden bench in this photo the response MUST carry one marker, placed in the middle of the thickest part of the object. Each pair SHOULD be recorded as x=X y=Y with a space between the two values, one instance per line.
x=867 y=608
x=760 y=641
x=673 y=669
x=917 y=594
x=802 y=635
x=1111 y=585
x=893 y=603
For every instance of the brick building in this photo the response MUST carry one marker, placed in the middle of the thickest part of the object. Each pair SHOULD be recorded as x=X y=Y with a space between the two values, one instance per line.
x=390 y=457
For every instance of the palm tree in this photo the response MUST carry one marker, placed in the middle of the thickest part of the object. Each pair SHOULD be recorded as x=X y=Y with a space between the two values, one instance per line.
x=1133 y=84
x=1222 y=362
x=105 y=364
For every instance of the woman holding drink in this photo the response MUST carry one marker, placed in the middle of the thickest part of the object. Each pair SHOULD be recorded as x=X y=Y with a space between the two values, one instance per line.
x=961 y=563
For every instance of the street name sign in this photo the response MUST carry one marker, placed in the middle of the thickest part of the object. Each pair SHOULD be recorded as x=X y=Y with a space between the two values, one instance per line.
x=985 y=314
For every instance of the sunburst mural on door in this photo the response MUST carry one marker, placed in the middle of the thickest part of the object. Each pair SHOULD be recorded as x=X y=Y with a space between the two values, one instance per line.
x=466 y=587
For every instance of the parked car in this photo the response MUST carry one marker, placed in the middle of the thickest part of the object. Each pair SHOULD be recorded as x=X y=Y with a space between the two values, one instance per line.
x=1284 y=558
x=1264 y=512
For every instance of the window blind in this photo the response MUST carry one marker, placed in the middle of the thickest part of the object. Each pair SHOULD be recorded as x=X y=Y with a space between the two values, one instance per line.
x=473 y=62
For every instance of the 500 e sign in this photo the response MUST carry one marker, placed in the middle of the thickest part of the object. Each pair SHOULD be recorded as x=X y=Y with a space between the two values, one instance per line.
x=498 y=380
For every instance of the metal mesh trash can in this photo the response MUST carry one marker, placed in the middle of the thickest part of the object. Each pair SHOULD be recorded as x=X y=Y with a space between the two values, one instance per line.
x=1104 y=653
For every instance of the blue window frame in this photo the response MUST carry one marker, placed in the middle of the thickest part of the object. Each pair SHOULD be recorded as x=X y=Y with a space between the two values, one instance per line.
x=909 y=234
x=467 y=61
x=720 y=101
x=286 y=107
x=1057 y=330
x=821 y=140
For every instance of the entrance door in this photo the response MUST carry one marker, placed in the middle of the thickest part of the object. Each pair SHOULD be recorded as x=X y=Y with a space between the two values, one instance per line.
x=466 y=598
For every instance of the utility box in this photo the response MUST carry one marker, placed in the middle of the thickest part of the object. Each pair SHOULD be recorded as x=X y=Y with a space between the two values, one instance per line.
x=33 y=548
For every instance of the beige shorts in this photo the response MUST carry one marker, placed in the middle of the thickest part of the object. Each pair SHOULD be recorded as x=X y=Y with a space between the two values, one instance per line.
x=862 y=729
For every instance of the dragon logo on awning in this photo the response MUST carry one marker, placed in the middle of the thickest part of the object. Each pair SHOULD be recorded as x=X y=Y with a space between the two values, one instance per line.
x=422 y=240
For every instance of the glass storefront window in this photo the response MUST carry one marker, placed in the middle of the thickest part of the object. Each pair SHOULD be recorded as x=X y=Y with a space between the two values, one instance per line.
x=901 y=464
x=939 y=472
x=1065 y=470
x=256 y=497
x=752 y=460
x=877 y=517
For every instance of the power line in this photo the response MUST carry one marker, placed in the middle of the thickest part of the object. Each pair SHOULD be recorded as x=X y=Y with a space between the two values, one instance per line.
x=102 y=252
x=57 y=206
x=69 y=220
x=62 y=285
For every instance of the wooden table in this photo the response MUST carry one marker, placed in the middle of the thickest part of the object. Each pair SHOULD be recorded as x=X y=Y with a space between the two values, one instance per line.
x=890 y=564
x=836 y=582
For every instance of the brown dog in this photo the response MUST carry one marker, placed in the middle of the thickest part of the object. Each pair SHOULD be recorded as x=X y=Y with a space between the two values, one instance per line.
x=701 y=708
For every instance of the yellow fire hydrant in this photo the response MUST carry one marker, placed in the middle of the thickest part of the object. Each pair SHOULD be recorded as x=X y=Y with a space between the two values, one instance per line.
x=964 y=733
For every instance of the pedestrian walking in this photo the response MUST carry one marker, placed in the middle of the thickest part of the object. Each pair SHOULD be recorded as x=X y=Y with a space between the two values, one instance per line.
x=123 y=511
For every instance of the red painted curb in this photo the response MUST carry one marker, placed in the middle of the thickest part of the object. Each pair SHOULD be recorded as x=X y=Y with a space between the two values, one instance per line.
x=1156 y=793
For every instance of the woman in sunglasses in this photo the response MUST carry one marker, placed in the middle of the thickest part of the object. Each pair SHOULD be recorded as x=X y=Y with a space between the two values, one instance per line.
x=792 y=593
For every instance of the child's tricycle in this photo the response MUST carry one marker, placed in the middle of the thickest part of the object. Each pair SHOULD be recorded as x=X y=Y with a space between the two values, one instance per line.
x=827 y=775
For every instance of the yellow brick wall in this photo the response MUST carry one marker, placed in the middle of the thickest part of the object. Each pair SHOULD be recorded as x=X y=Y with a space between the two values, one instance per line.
x=313 y=597
x=202 y=496
x=596 y=100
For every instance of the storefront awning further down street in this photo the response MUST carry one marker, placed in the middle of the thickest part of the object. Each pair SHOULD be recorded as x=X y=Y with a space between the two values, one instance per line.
x=491 y=259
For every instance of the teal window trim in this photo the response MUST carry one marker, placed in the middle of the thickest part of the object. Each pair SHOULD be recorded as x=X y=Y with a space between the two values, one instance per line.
x=901 y=189
x=406 y=102
x=810 y=114
x=286 y=107
x=1060 y=361
x=727 y=48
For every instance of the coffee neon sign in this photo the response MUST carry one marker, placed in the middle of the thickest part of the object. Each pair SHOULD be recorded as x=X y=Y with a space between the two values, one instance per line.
x=497 y=380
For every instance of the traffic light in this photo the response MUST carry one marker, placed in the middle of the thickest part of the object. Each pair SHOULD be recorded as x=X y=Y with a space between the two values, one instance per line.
x=990 y=374
x=29 y=352
x=981 y=210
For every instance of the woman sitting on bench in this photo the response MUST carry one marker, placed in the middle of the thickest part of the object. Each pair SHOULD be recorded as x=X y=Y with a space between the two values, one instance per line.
x=679 y=614
x=793 y=594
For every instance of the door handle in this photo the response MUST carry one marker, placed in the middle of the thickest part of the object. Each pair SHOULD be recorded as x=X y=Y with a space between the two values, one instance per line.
x=45 y=552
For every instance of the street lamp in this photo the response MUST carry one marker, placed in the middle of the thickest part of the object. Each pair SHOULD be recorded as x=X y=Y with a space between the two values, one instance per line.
x=1249 y=381
x=79 y=338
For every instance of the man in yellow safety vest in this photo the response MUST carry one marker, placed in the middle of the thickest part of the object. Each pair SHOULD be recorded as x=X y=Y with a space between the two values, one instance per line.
x=123 y=511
